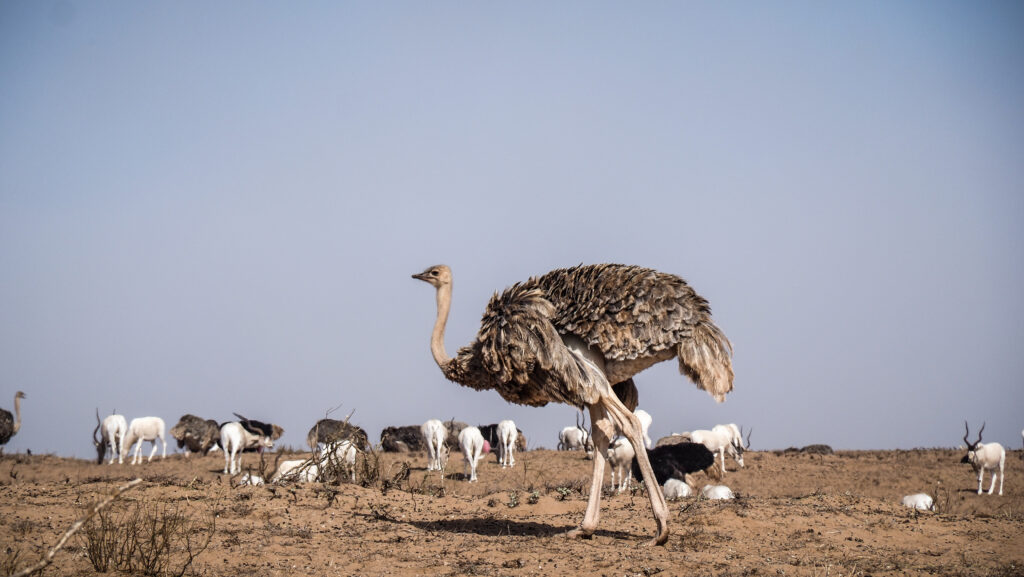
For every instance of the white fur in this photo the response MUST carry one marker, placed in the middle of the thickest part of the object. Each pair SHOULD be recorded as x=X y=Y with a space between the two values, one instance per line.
x=472 y=442
x=645 y=424
x=575 y=439
x=676 y=489
x=720 y=439
x=716 y=492
x=144 y=429
x=507 y=436
x=234 y=438
x=253 y=480
x=113 y=429
x=308 y=470
x=919 y=501
x=986 y=456
x=435 y=434
x=620 y=459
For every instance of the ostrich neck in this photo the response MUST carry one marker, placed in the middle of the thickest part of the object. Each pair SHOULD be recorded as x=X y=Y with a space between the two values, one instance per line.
x=17 y=414
x=444 y=303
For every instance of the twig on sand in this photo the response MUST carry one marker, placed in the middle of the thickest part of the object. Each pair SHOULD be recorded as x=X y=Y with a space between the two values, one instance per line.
x=48 y=558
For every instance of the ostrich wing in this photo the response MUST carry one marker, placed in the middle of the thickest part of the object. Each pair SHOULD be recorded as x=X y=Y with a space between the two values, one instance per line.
x=519 y=353
x=625 y=311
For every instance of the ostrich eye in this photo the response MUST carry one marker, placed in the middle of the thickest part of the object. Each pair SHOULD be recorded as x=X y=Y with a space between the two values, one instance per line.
x=433 y=273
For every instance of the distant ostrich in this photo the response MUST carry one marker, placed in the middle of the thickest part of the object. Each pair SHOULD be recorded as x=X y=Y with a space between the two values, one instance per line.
x=327 y=431
x=572 y=334
x=9 y=426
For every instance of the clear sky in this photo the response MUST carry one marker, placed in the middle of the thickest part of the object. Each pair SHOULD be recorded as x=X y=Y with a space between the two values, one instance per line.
x=217 y=207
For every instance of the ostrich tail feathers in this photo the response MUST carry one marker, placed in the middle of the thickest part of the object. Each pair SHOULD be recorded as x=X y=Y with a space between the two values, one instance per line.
x=706 y=358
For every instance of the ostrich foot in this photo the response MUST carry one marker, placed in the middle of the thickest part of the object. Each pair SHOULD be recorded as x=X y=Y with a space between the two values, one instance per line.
x=660 y=539
x=579 y=533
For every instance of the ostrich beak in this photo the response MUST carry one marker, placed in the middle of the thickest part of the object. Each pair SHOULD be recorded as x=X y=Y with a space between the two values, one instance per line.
x=420 y=276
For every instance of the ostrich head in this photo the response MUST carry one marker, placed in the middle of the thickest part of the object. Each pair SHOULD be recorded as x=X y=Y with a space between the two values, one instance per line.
x=437 y=275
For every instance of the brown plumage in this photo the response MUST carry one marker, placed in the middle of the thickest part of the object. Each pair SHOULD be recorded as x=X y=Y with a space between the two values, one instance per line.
x=10 y=424
x=577 y=336
x=197 y=434
x=332 y=431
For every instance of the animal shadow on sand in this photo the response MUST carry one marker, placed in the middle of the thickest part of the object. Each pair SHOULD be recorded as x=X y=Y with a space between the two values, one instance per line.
x=495 y=527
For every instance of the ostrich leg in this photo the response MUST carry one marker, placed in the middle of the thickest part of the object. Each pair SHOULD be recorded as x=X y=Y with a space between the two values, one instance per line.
x=629 y=426
x=602 y=432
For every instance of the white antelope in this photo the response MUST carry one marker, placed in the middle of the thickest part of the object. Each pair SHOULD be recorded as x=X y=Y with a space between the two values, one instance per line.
x=309 y=470
x=620 y=459
x=645 y=424
x=721 y=439
x=112 y=431
x=435 y=434
x=919 y=501
x=144 y=429
x=984 y=456
x=233 y=439
x=507 y=435
x=472 y=442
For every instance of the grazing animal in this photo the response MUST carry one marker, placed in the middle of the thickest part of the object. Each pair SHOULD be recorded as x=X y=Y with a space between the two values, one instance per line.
x=144 y=429
x=575 y=439
x=406 y=439
x=472 y=443
x=196 y=435
x=435 y=436
x=341 y=459
x=645 y=424
x=920 y=501
x=454 y=428
x=620 y=459
x=507 y=435
x=718 y=440
x=675 y=461
x=9 y=425
x=327 y=431
x=112 y=431
x=578 y=336
x=983 y=456
x=233 y=439
x=676 y=489
x=716 y=492
x=493 y=439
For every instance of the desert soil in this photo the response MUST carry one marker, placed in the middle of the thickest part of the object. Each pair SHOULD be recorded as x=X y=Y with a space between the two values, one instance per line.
x=796 y=514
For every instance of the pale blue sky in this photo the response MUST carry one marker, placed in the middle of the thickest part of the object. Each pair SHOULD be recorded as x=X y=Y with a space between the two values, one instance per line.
x=211 y=208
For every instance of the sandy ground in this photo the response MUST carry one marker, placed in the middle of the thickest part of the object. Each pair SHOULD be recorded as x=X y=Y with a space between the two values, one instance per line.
x=796 y=514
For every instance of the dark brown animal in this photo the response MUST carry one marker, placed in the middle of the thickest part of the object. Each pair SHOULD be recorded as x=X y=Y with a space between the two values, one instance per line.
x=572 y=335
x=269 y=430
x=195 y=434
x=328 y=431
x=402 y=439
x=9 y=425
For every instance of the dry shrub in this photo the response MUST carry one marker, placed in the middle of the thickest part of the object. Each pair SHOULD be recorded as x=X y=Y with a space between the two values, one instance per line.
x=146 y=538
x=10 y=561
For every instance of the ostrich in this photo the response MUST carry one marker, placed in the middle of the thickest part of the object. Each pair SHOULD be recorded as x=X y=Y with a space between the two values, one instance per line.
x=9 y=426
x=572 y=335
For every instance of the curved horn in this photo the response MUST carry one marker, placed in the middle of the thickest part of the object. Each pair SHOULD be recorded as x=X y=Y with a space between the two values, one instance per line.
x=979 y=433
x=97 y=429
x=748 y=435
x=967 y=431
